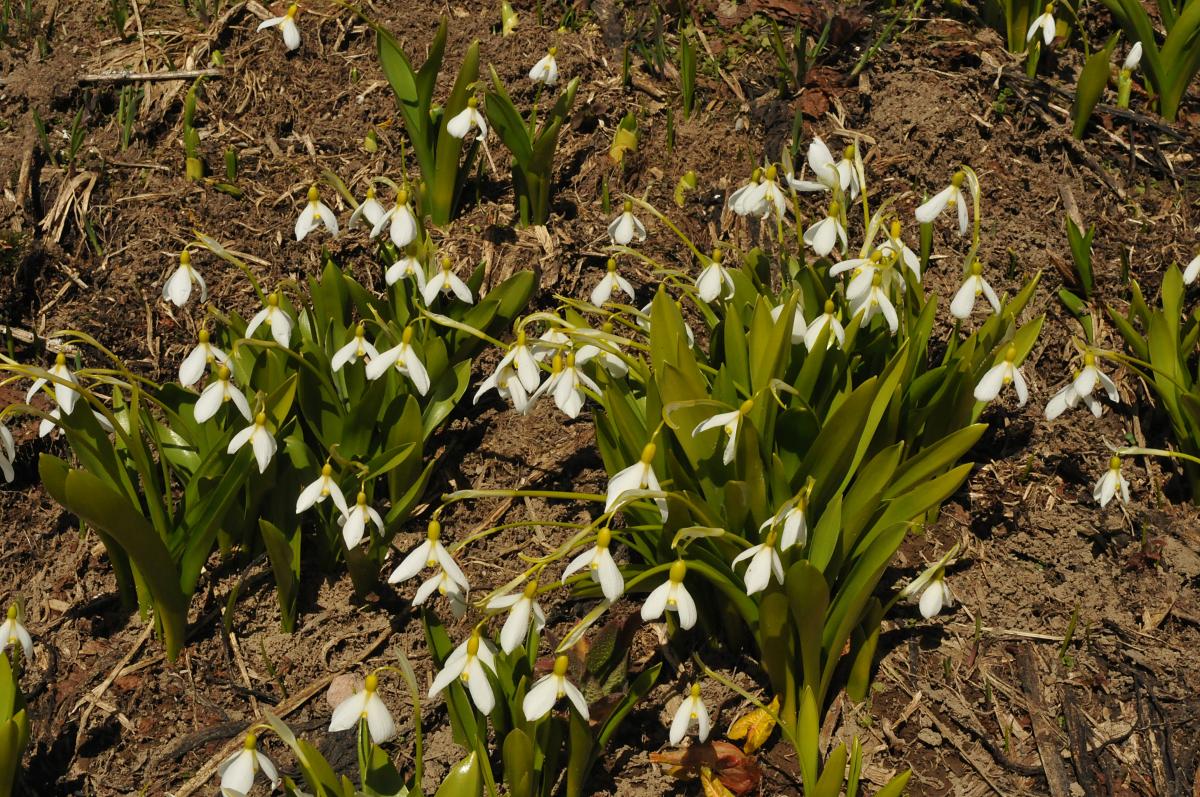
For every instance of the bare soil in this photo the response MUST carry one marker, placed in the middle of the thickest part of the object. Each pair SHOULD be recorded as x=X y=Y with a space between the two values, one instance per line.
x=1074 y=626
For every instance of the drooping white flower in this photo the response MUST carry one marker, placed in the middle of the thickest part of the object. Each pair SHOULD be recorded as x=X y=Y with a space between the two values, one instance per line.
x=749 y=200
x=545 y=71
x=950 y=196
x=792 y=516
x=764 y=562
x=1112 y=483
x=8 y=453
x=848 y=173
x=540 y=699
x=600 y=565
x=827 y=319
x=1068 y=398
x=216 y=394
x=522 y=608
x=468 y=118
x=370 y=210
x=287 y=26
x=612 y=281
x=444 y=282
x=730 y=422
x=626 y=227
x=238 y=770
x=714 y=281
x=1192 y=271
x=672 y=595
x=524 y=361
x=358 y=346
x=430 y=553
x=354 y=522
x=64 y=385
x=321 y=488
x=769 y=198
x=13 y=633
x=692 y=709
x=826 y=175
x=407 y=267
x=507 y=383
x=1045 y=23
x=365 y=704
x=566 y=385
x=261 y=441
x=826 y=233
x=466 y=663
x=635 y=478
x=440 y=583
x=931 y=586
x=799 y=327
x=973 y=286
x=1001 y=374
x=1133 y=58
x=404 y=358
x=894 y=247
x=50 y=423
x=178 y=287
x=403 y=228
x=191 y=370
x=276 y=319
x=1089 y=376
x=605 y=351
x=315 y=214
x=874 y=301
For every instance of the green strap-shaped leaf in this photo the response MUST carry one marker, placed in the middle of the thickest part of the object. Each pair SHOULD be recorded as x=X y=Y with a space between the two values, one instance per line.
x=1092 y=81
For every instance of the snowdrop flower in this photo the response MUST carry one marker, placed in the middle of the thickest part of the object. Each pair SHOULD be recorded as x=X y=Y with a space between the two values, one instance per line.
x=799 y=327
x=178 y=287
x=1133 y=58
x=874 y=301
x=626 y=227
x=795 y=524
x=13 y=633
x=524 y=361
x=973 y=286
x=203 y=355
x=370 y=210
x=715 y=281
x=601 y=566
x=862 y=271
x=692 y=709
x=748 y=200
x=825 y=234
x=1192 y=271
x=365 y=704
x=216 y=394
x=358 y=346
x=552 y=341
x=430 y=553
x=673 y=595
x=403 y=228
x=848 y=172
x=287 y=26
x=950 y=196
x=827 y=175
x=405 y=360
x=442 y=584
x=1112 y=483
x=1001 y=374
x=315 y=214
x=894 y=247
x=549 y=689
x=507 y=383
x=764 y=562
x=354 y=522
x=612 y=281
x=464 y=120
x=238 y=771
x=49 y=424
x=466 y=663
x=276 y=320
x=638 y=476
x=260 y=440
x=446 y=281
x=729 y=422
x=521 y=609
x=545 y=71
x=407 y=267
x=65 y=393
x=566 y=384
x=769 y=197
x=1068 y=398
x=826 y=319
x=1090 y=375
x=8 y=453
x=323 y=487
x=608 y=354
x=931 y=586
x=1044 y=23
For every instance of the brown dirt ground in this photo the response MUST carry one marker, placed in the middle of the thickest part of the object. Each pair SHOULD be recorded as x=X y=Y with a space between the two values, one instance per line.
x=1119 y=697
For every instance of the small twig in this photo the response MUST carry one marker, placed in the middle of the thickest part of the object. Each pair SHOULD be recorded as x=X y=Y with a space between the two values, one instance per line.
x=127 y=76
x=1044 y=733
x=94 y=697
